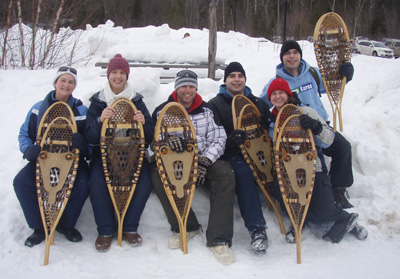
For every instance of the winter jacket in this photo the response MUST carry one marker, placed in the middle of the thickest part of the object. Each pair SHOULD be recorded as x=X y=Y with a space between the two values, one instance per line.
x=28 y=131
x=210 y=134
x=222 y=107
x=93 y=124
x=323 y=140
x=304 y=85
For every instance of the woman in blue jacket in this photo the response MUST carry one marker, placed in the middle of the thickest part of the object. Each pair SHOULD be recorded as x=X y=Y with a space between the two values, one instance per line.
x=65 y=82
x=99 y=110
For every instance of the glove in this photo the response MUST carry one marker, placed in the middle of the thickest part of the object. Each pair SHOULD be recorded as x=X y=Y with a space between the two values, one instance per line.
x=177 y=144
x=79 y=141
x=204 y=163
x=264 y=121
x=32 y=152
x=306 y=122
x=347 y=70
x=237 y=137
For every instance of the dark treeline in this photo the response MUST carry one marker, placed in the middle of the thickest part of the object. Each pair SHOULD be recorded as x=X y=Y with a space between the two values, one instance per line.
x=259 y=18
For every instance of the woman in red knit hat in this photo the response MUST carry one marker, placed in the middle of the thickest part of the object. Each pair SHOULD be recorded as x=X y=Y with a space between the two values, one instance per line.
x=325 y=218
x=117 y=86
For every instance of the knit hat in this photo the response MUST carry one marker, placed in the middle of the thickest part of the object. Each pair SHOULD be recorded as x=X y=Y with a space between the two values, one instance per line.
x=234 y=67
x=66 y=70
x=185 y=77
x=290 y=44
x=279 y=84
x=118 y=63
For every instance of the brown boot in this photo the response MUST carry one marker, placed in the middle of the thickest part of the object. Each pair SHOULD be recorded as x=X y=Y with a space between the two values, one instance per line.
x=341 y=196
x=103 y=242
x=133 y=238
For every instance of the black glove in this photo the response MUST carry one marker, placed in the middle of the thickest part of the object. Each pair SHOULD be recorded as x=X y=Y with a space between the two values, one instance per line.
x=347 y=70
x=237 y=137
x=32 y=152
x=204 y=163
x=306 y=122
x=177 y=144
x=79 y=141
x=264 y=121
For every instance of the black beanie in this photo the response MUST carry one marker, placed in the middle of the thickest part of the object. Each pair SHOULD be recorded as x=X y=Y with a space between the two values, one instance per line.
x=290 y=44
x=234 y=67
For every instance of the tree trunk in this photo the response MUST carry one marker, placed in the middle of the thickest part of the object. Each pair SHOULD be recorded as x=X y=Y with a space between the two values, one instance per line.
x=34 y=31
x=21 y=33
x=212 y=40
x=3 y=57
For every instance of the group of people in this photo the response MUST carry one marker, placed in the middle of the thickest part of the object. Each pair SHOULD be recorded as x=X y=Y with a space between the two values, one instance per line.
x=222 y=170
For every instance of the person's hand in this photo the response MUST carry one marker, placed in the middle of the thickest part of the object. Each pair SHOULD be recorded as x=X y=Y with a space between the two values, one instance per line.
x=108 y=112
x=79 y=141
x=32 y=152
x=347 y=70
x=237 y=137
x=139 y=117
x=177 y=144
x=306 y=122
x=204 y=163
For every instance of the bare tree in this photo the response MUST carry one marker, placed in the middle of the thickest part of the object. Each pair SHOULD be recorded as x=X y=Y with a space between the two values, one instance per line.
x=21 y=32
x=212 y=38
x=53 y=31
x=3 y=57
x=34 y=31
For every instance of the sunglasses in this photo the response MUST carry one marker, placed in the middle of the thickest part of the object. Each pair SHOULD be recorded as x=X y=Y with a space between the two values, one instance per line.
x=187 y=73
x=68 y=69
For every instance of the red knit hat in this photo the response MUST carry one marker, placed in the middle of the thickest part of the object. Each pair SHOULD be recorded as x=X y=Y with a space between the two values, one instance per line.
x=279 y=84
x=118 y=63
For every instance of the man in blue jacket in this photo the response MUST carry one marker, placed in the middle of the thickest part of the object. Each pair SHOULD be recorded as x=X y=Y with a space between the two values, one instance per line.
x=299 y=74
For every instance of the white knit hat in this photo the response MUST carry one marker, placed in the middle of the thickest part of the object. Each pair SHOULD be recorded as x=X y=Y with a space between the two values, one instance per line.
x=66 y=70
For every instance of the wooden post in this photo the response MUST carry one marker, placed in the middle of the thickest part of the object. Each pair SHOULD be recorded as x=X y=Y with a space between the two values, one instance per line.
x=212 y=39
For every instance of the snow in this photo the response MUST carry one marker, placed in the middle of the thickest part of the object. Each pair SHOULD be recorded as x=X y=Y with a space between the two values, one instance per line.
x=370 y=118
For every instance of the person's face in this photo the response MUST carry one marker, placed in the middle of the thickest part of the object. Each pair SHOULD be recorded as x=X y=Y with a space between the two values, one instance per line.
x=291 y=59
x=235 y=83
x=279 y=98
x=186 y=95
x=117 y=79
x=65 y=85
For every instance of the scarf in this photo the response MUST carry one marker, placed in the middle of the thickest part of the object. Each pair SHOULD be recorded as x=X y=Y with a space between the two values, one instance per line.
x=109 y=96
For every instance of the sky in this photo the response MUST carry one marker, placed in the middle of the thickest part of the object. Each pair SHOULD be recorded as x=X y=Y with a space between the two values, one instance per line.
x=371 y=125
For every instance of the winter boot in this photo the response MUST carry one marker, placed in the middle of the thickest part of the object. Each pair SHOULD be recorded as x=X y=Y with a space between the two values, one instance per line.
x=359 y=232
x=223 y=253
x=133 y=238
x=35 y=238
x=175 y=240
x=103 y=242
x=70 y=234
x=290 y=236
x=341 y=228
x=259 y=241
x=341 y=196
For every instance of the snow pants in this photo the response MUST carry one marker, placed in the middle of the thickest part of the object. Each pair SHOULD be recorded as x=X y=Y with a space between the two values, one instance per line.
x=247 y=192
x=25 y=189
x=103 y=208
x=220 y=181
x=341 y=172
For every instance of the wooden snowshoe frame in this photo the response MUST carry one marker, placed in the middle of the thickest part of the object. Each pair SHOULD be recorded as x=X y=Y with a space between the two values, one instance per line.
x=332 y=49
x=122 y=146
x=56 y=167
x=257 y=149
x=295 y=161
x=178 y=171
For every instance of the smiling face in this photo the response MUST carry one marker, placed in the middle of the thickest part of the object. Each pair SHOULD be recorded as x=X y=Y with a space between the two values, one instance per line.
x=186 y=95
x=279 y=98
x=235 y=83
x=117 y=79
x=291 y=61
x=65 y=85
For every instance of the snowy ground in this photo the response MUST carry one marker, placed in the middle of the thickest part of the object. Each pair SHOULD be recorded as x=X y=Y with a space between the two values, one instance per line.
x=371 y=124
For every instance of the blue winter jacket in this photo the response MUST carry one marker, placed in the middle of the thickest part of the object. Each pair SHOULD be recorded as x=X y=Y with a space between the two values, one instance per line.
x=28 y=131
x=304 y=85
